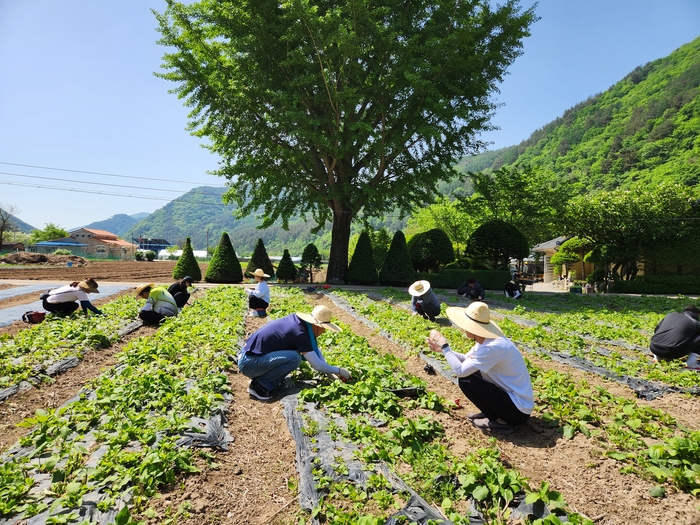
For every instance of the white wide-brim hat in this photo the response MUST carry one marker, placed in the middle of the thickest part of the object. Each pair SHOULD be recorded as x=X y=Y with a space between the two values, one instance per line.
x=260 y=273
x=475 y=319
x=419 y=288
x=320 y=316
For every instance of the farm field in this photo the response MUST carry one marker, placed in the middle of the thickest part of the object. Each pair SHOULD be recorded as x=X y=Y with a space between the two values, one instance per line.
x=609 y=456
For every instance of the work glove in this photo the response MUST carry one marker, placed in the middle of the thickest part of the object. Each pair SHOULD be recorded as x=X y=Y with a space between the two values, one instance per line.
x=344 y=374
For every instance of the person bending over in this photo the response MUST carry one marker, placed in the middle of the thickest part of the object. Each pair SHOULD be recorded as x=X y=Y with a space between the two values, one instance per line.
x=471 y=289
x=423 y=300
x=180 y=291
x=276 y=349
x=678 y=335
x=159 y=303
x=67 y=299
x=493 y=374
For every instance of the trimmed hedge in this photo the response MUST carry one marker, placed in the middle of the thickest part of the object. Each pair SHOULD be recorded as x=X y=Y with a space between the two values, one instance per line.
x=660 y=284
x=187 y=264
x=451 y=279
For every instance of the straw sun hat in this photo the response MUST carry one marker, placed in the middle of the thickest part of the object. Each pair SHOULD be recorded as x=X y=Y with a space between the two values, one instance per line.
x=475 y=319
x=88 y=286
x=140 y=289
x=419 y=288
x=320 y=316
x=260 y=273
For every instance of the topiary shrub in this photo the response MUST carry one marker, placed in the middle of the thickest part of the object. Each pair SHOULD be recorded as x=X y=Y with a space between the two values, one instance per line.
x=139 y=256
x=150 y=255
x=430 y=250
x=260 y=259
x=224 y=266
x=361 y=269
x=397 y=269
x=311 y=260
x=187 y=264
x=495 y=242
x=286 y=270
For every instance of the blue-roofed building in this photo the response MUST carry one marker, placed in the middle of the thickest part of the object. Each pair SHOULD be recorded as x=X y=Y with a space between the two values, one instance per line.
x=65 y=243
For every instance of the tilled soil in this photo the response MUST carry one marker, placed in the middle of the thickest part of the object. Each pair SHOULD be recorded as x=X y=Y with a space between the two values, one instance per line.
x=254 y=481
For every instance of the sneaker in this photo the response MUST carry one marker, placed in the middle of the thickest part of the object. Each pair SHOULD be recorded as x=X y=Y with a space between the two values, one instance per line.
x=258 y=391
x=487 y=424
x=253 y=313
x=654 y=358
x=693 y=363
x=477 y=415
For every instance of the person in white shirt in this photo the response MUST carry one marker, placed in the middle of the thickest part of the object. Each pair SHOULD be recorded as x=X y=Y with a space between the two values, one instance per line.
x=493 y=374
x=259 y=297
x=64 y=300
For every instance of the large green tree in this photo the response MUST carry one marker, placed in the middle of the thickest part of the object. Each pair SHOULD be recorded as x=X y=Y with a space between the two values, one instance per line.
x=631 y=221
x=524 y=197
x=335 y=106
x=49 y=233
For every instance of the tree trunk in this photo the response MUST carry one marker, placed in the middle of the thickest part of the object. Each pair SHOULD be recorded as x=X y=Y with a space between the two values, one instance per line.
x=340 y=238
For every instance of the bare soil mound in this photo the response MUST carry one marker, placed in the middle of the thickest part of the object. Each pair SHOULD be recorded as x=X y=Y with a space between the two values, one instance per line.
x=42 y=258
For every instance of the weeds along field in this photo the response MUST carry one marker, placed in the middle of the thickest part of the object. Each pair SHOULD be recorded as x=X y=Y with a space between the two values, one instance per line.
x=169 y=434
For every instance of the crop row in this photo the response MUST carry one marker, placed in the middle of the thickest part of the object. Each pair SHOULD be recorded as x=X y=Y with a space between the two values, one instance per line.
x=116 y=444
x=648 y=441
x=405 y=435
x=35 y=348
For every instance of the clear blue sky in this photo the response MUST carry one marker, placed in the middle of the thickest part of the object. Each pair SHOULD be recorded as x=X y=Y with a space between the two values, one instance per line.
x=78 y=93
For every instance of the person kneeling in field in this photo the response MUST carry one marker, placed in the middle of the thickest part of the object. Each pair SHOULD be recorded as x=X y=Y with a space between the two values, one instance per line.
x=64 y=300
x=159 y=303
x=277 y=348
x=678 y=335
x=493 y=374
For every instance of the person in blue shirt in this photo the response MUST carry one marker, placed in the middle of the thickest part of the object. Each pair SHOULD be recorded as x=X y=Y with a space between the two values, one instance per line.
x=423 y=300
x=276 y=349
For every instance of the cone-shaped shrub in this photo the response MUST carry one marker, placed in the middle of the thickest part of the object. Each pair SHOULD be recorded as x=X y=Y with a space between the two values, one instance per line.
x=224 y=266
x=260 y=259
x=286 y=270
x=187 y=264
x=361 y=269
x=311 y=260
x=397 y=269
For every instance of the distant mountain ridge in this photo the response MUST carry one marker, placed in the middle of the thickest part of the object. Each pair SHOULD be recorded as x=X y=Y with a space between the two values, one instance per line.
x=21 y=226
x=119 y=224
x=644 y=128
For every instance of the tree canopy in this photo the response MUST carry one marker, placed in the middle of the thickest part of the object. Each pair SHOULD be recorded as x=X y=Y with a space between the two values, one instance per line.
x=330 y=108
x=49 y=233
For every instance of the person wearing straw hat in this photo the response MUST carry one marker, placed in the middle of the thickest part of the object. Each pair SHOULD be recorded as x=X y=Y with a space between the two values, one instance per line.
x=159 y=303
x=180 y=291
x=423 y=300
x=64 y=300
x=493 y=374
x=259 y=297
x=276 y=349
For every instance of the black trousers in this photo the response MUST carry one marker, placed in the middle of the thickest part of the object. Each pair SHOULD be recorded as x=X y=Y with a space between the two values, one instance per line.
x=427 y=313
x=181 y=298
x=256 y=303
x=491 y=400
x=151 y=317
x=60 y=308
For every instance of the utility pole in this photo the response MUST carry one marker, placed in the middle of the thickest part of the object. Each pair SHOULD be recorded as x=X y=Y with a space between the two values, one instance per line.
x=207 y=242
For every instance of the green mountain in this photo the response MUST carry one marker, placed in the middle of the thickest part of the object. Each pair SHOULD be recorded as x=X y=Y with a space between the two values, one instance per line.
x=21 y=226
x=644 y=128
x=118 y=224
x=201 y=215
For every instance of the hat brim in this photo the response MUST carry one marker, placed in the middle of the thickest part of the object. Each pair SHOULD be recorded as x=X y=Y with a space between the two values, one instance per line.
x=310 y=319
x=87 y=288
x=414 y=292
x=488 y=330
x=140 y=289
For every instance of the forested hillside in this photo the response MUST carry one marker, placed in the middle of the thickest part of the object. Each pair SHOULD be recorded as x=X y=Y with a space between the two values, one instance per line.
x=119 y=224
x=200 y=214
x=644 y=128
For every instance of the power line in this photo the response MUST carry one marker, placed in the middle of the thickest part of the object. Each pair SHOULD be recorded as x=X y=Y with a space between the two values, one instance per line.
x=105 y=174
x=113 y=194
x=98 y=183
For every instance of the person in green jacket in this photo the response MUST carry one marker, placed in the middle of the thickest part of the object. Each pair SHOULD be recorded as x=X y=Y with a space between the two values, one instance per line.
x=159 y=303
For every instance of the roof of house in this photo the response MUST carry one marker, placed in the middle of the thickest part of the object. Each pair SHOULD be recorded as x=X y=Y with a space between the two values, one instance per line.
x=550 y=245
x=118 y=242
x=97 y=233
